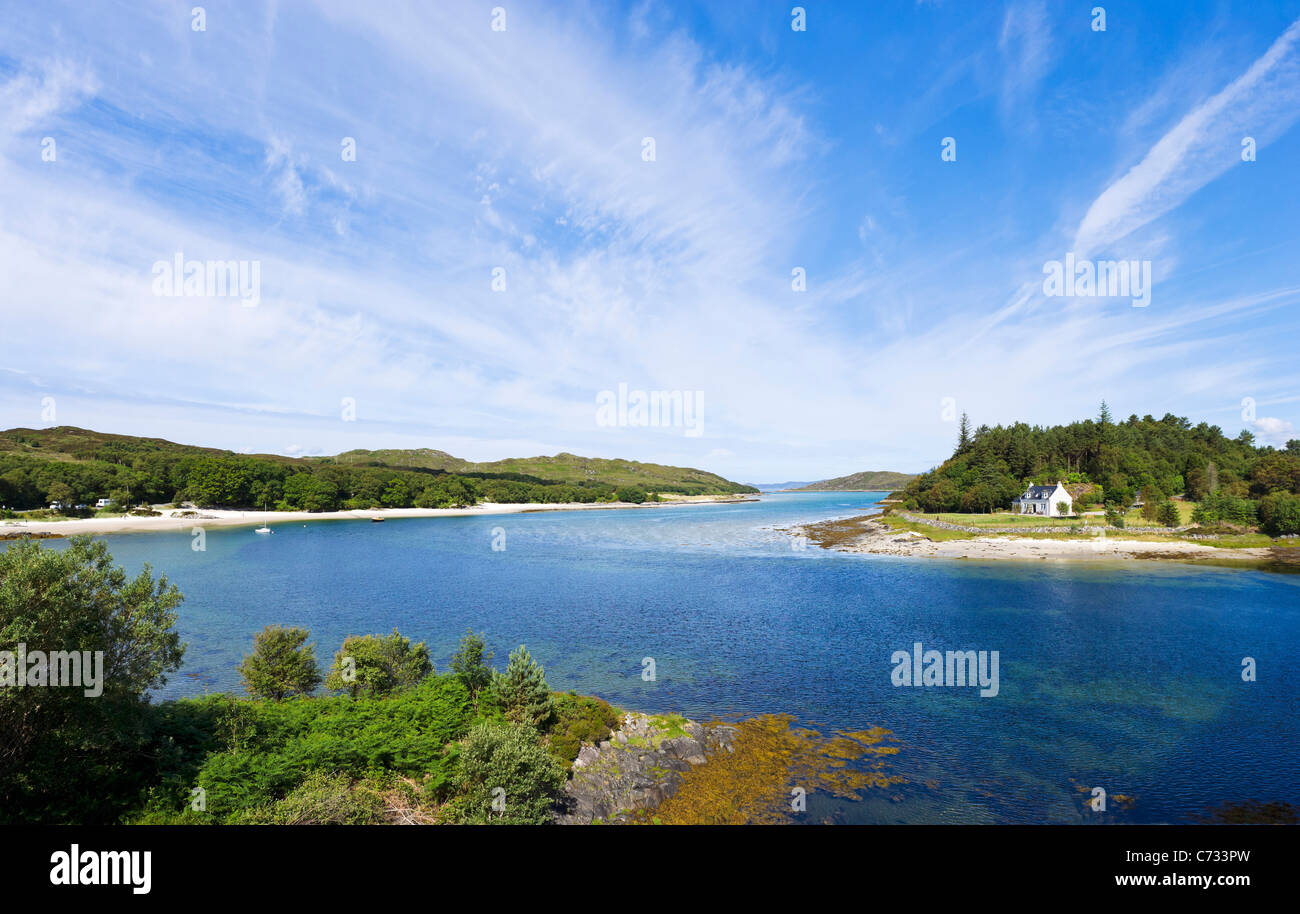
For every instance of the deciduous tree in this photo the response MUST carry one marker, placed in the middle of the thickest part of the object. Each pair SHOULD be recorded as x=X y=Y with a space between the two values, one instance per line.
x=282 y=664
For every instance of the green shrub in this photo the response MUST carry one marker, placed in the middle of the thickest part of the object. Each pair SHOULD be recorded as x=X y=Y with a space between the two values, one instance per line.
x=631 y=494
x=1279 y=514
x=1218 y=508
x=321 y=799
x=282 y=664
x=506 y=777
x=471 y=663
x=579 y=719
x=247 y=754
x=378 y=665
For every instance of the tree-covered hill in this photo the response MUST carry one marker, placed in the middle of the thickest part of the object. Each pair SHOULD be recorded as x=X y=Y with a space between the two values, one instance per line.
x=75 y=466
x=68 y=442
x=1114 y=463
x=564 y=467
x=866 y=481
x=422 y=458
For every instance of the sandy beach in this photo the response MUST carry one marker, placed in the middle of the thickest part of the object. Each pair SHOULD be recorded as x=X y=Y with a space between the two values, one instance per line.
x=869 y=535
x=173 y=519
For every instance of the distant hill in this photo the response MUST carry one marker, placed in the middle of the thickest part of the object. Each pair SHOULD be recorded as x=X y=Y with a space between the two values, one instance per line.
x=780 y=486
x=67 y=442
x=424 y=457
x=76 y=466
x=563 y=467
x=866 y=481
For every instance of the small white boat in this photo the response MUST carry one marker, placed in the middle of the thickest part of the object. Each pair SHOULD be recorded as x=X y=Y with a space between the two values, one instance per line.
x=263 y=529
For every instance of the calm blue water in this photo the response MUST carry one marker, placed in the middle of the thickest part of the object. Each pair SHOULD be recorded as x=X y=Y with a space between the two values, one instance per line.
x=1125 y=677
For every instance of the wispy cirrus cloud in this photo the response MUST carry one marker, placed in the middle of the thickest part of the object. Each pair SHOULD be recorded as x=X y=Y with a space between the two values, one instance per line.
x=1263 y=102
x=1025 y=44
x=45 y=88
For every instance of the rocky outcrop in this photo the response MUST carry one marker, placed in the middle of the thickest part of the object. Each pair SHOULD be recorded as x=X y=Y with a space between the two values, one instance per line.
x=638 y=767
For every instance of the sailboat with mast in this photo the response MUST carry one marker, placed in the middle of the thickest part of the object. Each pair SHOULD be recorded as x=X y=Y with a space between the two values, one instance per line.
x=264 y=528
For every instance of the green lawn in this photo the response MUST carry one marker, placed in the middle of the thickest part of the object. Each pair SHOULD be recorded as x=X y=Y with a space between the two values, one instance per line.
x=1132 y=518
x=935 y=533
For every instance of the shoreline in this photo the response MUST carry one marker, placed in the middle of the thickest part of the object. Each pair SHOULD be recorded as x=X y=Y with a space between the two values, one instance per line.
x=171 y=521
x=867 y=534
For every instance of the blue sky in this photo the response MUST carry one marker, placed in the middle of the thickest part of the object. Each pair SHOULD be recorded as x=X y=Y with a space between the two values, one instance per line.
x=522 y=150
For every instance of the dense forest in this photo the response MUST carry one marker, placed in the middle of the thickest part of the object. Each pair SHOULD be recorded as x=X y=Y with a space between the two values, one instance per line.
x=1112 y=464
x=74 y=467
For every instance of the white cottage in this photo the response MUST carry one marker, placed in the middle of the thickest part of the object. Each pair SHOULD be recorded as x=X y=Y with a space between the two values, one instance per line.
x=1043 y=500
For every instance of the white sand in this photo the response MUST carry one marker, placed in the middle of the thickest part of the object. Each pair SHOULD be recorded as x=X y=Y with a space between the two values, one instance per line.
x=171 y=519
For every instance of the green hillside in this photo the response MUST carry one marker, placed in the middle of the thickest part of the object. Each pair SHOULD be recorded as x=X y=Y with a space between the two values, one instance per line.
x=67 y=442
x=76 y=466
x=866 y=481
x=425 y=458
x=563 y=467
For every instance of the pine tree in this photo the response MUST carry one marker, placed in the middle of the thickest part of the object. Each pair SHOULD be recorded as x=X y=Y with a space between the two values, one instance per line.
x=1168 y=515
x=963 y=434
x=523 y=691
x=1104 y=417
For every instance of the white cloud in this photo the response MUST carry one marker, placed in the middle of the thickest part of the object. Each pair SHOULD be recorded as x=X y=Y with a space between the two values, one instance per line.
x=1274 y=431
x=1026 y=48
x=1263 y=102
x=29 y=99
x=288 y=183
